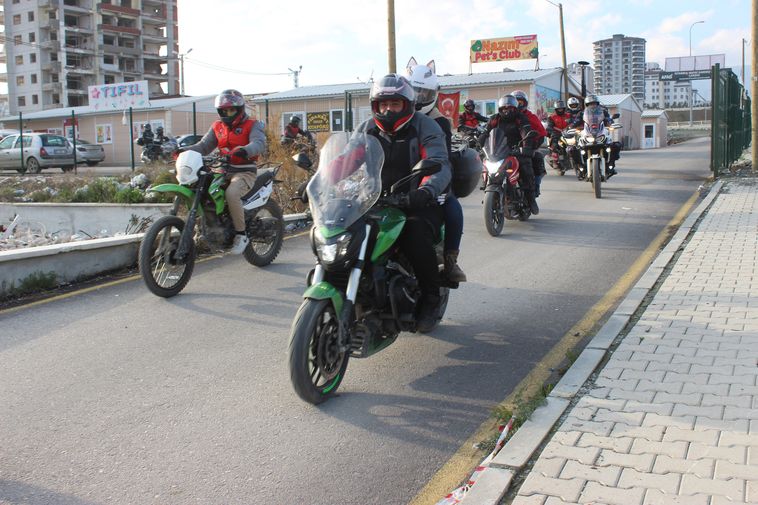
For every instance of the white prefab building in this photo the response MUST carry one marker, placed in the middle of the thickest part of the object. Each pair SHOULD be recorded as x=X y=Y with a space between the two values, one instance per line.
x=630 y=111
x=654 y=129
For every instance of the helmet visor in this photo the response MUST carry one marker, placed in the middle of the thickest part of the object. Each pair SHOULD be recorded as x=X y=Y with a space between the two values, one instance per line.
x=425 y=96
x=227 y=112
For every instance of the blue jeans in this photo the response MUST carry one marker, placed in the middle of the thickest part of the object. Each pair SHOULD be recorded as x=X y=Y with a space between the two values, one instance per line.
x=453 y=223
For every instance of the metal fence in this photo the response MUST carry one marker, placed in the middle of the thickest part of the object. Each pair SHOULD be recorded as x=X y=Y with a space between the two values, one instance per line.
x=730 y=125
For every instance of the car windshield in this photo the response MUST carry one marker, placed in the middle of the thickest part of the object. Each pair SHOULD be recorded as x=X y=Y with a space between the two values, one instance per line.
x=53 y=141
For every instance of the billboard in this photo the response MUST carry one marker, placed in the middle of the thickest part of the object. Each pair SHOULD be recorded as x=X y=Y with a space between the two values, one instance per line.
x=685 y=75
x=118 y=96
x=522 y=47
x=686 y=63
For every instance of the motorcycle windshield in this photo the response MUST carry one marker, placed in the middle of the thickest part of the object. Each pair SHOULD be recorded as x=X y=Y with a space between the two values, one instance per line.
x=496 y=148
x=348 y=181
x=593 y=120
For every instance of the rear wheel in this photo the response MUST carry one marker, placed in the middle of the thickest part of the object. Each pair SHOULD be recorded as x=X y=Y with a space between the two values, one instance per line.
x=33 y=166
x=596 y=180
x=316 y=364
x=494 y=216
x=158 y=266
x=265 y=229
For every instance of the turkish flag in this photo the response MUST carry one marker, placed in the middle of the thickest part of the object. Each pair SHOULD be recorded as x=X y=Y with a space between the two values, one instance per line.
x=448 y=104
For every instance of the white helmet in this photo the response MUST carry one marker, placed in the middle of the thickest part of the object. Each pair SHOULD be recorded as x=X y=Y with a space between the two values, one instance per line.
x=424 y=80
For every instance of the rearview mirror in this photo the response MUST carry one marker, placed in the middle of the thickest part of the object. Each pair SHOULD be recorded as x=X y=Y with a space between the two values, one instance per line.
x=427 y=167
x=616 y=116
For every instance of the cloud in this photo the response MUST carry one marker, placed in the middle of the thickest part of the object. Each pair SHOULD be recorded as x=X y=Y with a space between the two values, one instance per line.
x=683 y=21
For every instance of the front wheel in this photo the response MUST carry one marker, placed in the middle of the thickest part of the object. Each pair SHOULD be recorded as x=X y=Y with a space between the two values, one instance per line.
x=163 y=274
x=316 y=364
x=596 y=181
x=494 y=215
x=265 y=229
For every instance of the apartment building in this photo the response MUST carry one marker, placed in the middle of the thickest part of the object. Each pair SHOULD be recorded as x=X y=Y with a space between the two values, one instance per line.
x=620 y=66
x=664 y=94
x=55 y=49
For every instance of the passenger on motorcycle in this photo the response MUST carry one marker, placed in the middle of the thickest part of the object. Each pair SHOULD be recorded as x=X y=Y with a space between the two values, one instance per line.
x=521 y=139
x=536 y=124
x=235 y=133
x=147 y=135
x=592 y=101
x=556 y=123
x=292 y=130
x=426 y=85
x=407 y=136
x=470 y=118
x=160 y=138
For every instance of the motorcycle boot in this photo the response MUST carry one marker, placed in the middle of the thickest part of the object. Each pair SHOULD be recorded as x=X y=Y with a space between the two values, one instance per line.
x=427 y=314
x=453 y=271
x=532 y=200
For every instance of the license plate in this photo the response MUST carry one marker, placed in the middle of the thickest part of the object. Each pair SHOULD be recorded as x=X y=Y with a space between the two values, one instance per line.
x=60 y=150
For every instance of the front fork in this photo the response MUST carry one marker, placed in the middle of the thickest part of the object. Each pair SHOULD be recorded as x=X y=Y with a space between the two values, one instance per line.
x=188 y=232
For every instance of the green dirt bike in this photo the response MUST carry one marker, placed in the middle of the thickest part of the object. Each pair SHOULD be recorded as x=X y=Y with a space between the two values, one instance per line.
x=362 y=292
x=167 y=251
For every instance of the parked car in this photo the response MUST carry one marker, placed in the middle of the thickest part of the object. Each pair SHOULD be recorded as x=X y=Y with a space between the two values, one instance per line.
x=187 y=140
x=88 y=152
x=41 y=150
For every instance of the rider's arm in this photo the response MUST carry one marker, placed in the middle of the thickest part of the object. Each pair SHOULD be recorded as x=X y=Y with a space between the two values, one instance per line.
x=432 y=140
x=481 y=118
x=207 y=144
x=256 y=141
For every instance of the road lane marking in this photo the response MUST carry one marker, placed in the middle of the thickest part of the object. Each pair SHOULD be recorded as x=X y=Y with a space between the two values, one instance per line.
x=461 y=464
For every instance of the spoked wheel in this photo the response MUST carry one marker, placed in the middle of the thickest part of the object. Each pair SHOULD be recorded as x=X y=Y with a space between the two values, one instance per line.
x=494 y=214
x=596 y=180
x=158 y=266
x=316 y=364
x=265 y=229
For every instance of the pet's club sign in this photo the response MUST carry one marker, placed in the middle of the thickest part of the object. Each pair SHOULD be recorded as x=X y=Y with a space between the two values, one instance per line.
x=522 y=47
x=118 y=96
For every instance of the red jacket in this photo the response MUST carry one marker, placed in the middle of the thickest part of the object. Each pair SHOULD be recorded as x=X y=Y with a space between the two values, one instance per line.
x=558 y=122
x=231 y=138
x=536 y=125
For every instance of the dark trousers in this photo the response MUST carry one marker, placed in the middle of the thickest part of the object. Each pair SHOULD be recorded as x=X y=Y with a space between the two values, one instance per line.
x=526 y=172
x=417 y=243
x=453 y=223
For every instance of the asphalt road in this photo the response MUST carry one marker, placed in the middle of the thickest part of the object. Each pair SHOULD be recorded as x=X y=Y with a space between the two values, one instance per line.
x=116 y=396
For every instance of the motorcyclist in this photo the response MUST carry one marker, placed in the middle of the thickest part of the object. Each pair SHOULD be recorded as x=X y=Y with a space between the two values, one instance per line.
x=407 y=136
x=147 y=135
x=539 y=158
x=520 y=136
x=160 y=138
x=592 y=102
x=470 y=118
x=556 y=123
x=426 y=85
x=244 y=139
x=575 y=112
x=292 y=130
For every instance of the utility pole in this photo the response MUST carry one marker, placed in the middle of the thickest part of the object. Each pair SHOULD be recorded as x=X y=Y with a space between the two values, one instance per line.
x=563 y=54
x=744 y=84
x=181 y=71
x=754 y=87
x=295 y=75
x=391 y=36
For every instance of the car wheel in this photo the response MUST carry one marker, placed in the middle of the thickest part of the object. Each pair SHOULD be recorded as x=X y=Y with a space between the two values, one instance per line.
x=92 y=163
x=33 y=166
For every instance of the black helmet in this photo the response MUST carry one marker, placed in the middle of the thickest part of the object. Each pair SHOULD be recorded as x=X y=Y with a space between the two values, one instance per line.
x=159 y=130
x=520 y=95
x=591 y=99
x=507 y=106
x=147 y=127
x=573 y=103
x=295 y=120
x=230 y=105
x=469 y=105
x=392 y=87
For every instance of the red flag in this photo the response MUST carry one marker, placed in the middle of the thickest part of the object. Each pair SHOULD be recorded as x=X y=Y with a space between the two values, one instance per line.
x=448 y=104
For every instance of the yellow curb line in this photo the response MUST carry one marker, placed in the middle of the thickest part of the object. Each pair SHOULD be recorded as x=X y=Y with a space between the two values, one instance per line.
x=107 y=284
x=462 y=463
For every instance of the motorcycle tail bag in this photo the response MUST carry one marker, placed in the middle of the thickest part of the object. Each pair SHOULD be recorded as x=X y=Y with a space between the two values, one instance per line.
x=467 y=171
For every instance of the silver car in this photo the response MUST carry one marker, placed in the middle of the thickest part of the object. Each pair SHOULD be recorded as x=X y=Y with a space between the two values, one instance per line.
x=41 y=150
x=89 y=153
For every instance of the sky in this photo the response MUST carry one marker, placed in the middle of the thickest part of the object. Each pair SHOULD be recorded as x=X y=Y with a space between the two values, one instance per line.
x=252 y=45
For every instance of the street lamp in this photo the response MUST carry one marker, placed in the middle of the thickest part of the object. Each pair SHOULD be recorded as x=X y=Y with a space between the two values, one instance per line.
x=693 y=24
x=181 y=71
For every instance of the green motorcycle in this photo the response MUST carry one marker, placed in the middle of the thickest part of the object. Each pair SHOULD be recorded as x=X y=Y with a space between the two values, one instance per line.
x=362 y=292
x=167 y=251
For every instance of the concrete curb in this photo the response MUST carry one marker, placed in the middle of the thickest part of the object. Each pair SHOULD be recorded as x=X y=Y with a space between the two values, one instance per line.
x=73 y=261
x=521 y=447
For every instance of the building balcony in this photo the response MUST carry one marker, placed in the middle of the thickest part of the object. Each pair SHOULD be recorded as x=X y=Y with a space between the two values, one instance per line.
x=154 y=37
x=52 y=86
x=53 y=106
x=48 y=4
x=76 y=91
x=80 y=69
x=118 y=10
x=80 y=50
x=52 y=66
x=75 y=8
x=156 y=77
x=119 y=29
x=4 y=78
x=50 y=24
x=50 y=44
x=78 y=29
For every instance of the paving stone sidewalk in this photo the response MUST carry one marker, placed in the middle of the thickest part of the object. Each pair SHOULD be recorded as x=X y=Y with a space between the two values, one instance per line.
x=672 y=418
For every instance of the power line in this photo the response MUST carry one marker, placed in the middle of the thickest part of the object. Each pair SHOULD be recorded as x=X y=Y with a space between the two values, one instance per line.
x=227 y=69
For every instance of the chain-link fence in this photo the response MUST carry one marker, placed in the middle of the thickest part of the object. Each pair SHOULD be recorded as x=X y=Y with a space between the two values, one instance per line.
x=730 y=126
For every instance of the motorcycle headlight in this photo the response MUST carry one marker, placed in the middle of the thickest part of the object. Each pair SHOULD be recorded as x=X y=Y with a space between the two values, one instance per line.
x=492 y=166
x=590 y=140
x=600 y=138
x=333 y=249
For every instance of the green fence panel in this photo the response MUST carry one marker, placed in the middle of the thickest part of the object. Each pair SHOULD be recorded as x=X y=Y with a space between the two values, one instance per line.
x=731 y=128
